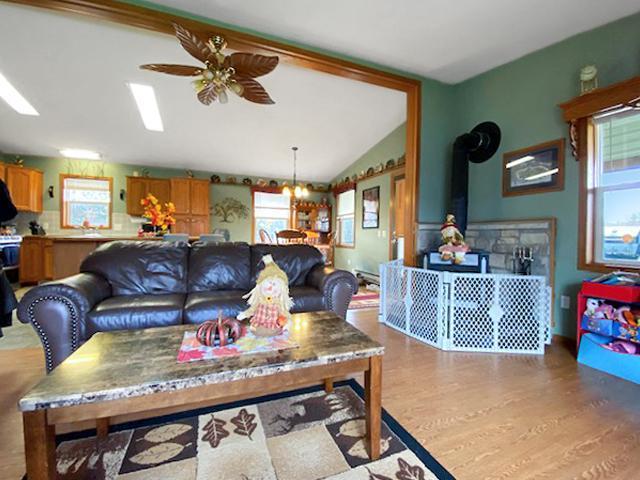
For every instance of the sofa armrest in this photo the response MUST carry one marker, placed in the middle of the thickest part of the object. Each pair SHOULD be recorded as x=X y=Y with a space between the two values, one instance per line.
x=57 y=311
x=337 y=286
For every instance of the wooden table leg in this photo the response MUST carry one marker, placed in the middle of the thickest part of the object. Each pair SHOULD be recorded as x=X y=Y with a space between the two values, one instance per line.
x=373 y=404
x=102 y=428
x=39 y=446
x=328 y=385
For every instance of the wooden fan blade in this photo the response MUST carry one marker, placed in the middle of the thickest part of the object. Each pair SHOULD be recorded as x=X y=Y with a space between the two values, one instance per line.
x=251 y=65
x=253 y=91
x=182 y=70
x=207 y=95
x=193 y=44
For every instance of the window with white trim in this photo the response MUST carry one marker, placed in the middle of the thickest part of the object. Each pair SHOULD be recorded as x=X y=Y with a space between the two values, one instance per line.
x=271 y=212
x=613 y=188
x=345 y=219
x=86 y=202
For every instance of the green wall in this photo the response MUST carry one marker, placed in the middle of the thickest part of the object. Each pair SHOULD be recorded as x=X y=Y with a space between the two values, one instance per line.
x=522 y=98
x=372 y=245
x=52 y=167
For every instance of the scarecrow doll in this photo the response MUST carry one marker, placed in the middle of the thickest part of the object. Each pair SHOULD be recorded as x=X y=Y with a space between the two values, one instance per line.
x=269 y=301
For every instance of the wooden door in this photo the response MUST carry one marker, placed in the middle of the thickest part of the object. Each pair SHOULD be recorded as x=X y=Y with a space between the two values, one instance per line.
x=397 y=219
x=136 y=191
x=35 y=191
x=3 y=172
x=47 y=259
x=181 y=195
x=19 y=183
x=31 y=268
x=160 y=188
x=199 y=225
x=199 y=197
x=183 y=224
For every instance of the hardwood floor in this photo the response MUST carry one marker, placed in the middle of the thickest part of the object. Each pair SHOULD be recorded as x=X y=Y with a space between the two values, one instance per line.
x=484 y=416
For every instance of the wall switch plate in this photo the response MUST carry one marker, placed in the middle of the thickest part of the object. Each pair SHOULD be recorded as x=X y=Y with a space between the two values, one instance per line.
x=45 y=225
x=565 y=302
x=384 y=234
x=117 y=227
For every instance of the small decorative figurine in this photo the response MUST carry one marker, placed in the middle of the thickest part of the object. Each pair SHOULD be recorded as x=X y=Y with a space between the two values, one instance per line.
x=273 y=183
x=453 y=247
x=269 y=301
x=247 y=181
x=215 y=178
x=588 y=79
x=220 y=332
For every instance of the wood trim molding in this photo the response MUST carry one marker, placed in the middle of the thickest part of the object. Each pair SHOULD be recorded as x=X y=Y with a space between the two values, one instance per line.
x=577 y=111
x=151 y=19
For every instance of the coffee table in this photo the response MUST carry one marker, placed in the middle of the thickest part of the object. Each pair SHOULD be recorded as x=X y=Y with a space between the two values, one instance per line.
x=135 y=372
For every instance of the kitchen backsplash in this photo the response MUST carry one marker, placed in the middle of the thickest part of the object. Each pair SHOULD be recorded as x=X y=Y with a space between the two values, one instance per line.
x=122 y=223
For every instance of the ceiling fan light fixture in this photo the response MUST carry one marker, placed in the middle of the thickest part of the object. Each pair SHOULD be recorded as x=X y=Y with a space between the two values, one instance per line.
x=236 y=72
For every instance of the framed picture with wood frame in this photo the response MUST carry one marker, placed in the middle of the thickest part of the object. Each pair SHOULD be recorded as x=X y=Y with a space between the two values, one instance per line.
x=371 y=207
x=536 y=169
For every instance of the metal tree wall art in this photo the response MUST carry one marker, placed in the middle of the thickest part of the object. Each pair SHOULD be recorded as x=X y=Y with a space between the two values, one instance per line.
x=235 y=72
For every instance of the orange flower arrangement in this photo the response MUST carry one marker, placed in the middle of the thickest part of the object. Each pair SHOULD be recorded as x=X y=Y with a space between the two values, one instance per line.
x=158 y=217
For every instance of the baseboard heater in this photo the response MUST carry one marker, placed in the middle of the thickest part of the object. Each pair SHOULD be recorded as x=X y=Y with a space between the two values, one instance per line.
x=367 y=277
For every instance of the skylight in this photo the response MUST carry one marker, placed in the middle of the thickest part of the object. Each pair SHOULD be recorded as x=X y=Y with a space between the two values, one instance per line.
x=14 y=99
x=145 y=98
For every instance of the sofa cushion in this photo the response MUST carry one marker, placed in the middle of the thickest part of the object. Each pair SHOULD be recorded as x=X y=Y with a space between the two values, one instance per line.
x=306 y=299
x=225 y=266
x=135 y=312
x=149 y=267
x=296 y=261
x=202 y=306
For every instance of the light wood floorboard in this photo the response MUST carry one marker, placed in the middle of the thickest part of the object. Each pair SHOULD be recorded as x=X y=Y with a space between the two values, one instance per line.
x=483 y=416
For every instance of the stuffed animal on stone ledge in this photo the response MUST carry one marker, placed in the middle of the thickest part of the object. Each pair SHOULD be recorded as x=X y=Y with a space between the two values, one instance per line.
x=453 y=247
x=269 y=301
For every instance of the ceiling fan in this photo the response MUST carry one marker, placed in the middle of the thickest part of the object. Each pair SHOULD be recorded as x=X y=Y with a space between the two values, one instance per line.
x=235 y=72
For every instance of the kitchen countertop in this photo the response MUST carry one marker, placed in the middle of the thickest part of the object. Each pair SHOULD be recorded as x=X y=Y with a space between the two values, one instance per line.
x=89 y=238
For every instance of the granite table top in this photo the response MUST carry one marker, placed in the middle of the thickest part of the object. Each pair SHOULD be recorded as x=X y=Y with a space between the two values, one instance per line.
x=124 y=364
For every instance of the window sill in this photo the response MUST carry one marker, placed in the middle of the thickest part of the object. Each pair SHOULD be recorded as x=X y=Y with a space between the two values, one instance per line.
x=345 y=246
x=604 y=268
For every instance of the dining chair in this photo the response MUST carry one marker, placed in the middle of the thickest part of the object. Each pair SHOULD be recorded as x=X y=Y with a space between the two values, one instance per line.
x=176 y=237
x=264 y=236
x=212 y=238
x=290 y=236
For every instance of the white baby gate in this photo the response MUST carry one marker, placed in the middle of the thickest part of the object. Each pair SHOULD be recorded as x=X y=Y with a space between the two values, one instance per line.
x=467 y=311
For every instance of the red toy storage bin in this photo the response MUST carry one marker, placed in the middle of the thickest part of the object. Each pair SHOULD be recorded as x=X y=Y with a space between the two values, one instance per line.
x=616 y=293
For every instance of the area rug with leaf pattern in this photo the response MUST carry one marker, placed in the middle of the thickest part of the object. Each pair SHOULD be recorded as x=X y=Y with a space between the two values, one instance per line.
x=306 y=434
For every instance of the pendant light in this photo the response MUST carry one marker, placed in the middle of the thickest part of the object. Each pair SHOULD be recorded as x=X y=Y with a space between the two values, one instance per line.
x=298 y=191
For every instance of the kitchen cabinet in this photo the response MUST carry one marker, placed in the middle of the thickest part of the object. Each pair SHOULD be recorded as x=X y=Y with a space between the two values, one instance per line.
x=3 y=171
x=25 y=187
x=36 y=260
x=139 y=187
x=191 y=199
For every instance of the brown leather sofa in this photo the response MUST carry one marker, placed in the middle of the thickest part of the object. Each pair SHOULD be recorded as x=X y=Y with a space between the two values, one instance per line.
x=142 y=284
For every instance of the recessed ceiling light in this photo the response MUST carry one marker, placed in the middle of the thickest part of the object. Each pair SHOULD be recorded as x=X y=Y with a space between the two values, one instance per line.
x=80 y=153
x=520 y=161
x=145 y=98
x=543 y=174
x=13 y=97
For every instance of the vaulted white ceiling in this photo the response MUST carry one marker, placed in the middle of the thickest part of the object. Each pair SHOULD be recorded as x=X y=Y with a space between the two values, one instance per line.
x=75 y=70
x=445 y=40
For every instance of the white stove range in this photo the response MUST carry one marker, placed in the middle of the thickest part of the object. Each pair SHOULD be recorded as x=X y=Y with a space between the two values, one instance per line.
x=10 y=251
x=10 y=240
